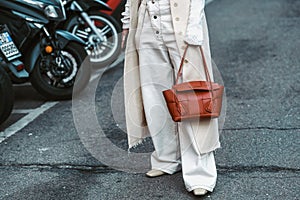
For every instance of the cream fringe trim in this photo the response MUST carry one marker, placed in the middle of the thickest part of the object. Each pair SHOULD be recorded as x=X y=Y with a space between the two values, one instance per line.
x=136 y=144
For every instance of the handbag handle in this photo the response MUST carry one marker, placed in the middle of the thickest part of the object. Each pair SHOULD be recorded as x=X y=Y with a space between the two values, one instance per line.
x=179 y=74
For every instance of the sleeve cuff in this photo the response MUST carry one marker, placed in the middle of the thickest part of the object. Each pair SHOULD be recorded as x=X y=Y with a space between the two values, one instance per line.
x=194 y=35
x=126 y=26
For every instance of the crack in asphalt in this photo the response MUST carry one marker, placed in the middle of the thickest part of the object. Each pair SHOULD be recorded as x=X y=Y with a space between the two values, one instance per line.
x=260 y=128
x=106 y=169
x=251 y=169
x=63 y=166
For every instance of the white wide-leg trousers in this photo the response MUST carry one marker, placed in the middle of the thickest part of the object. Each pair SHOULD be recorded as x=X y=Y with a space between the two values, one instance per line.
x=174 y=143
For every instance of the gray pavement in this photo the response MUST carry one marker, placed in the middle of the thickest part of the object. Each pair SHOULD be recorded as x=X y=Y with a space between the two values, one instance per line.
x=256 y=47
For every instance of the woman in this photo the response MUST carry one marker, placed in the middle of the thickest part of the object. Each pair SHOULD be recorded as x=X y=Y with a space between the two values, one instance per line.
x=158 y=32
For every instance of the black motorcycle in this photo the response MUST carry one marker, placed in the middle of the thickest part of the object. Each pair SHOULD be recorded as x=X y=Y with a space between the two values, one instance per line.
x=6 y=95
x=100 y=31
x=9 y=65
x=53 y=57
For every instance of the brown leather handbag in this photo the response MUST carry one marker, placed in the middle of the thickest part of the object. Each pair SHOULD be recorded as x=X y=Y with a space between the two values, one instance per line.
x=195 y=99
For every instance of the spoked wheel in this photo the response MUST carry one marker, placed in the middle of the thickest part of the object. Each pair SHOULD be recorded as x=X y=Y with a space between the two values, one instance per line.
x=6 y=96
x=54 y=76
x=106 y=49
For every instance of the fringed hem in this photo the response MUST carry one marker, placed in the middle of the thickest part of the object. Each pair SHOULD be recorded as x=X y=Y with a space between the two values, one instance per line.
x=136 y=144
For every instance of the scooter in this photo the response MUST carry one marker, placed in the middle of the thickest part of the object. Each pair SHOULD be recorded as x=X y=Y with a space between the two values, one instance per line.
x=99 y=31
x=52 y=57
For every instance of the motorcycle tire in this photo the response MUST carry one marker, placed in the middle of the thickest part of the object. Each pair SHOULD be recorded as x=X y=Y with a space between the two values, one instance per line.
x=6 y=96
x=43 y=80
x=16 y=80
x=108 y=50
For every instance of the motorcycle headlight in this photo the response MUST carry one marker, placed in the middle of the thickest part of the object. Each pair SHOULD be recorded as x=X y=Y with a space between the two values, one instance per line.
x=51 y=12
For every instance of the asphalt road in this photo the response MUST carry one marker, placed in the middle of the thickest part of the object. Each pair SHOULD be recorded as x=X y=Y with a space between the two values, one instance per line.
x=64 y=153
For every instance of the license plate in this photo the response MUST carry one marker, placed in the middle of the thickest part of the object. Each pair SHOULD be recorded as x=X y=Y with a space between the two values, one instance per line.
x=8 y=47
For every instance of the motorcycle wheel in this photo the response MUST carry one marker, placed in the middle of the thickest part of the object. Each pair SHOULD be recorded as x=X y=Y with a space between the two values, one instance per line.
x=6 y=96
x=107 y=51
x=54 y=80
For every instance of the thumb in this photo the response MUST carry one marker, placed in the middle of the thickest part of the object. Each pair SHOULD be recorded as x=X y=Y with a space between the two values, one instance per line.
x=124 y=36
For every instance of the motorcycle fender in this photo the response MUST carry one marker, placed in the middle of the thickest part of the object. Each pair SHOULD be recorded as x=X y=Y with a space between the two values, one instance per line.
x=88 y=5
x=12 y=67
x=19 y=74
x=103 y=6
x=64 y=37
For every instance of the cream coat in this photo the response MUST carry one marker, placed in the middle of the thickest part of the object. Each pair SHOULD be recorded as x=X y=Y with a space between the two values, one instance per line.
x=206 y=132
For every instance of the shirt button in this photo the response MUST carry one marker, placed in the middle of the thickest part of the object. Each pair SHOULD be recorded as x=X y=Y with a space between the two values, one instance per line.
x=153 y=1
x=157 y=32
x=155 y=17
x=175 y=4
x=177 y=18
x=186 y=61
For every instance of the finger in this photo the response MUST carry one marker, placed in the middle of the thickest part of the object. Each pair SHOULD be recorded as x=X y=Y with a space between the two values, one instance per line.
x=124 y=35
x=123 y=41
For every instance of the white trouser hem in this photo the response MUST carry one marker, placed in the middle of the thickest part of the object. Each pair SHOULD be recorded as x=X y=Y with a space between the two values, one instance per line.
x=166 y=170
x=210 y=189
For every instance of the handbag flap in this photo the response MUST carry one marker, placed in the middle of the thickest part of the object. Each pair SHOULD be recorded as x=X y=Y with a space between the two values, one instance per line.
x=196 y=85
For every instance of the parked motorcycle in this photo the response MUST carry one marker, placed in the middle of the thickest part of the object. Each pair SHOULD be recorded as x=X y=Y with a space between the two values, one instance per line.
x=6 y=96
x=100 y=31
x=53 y=57
x=9 y=64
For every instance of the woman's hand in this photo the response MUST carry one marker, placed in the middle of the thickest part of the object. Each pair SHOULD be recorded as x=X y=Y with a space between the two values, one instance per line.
x=124 y=37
